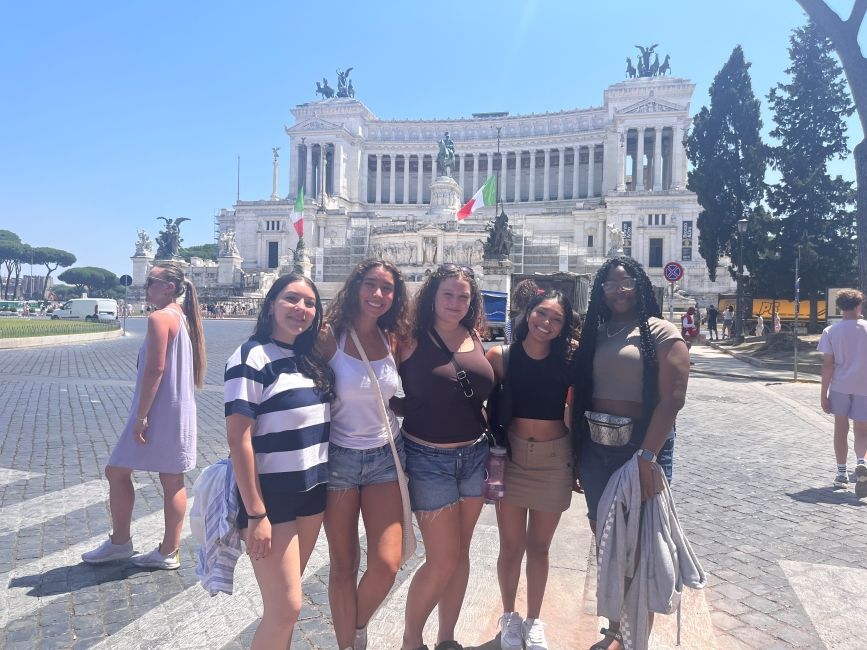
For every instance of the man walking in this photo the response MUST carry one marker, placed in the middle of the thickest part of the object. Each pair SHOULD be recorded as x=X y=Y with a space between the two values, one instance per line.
x=844 y=385
x=712 y=314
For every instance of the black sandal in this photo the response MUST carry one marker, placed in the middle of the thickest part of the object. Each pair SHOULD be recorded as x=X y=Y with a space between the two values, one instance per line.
x=450 y=644
x=610 y=635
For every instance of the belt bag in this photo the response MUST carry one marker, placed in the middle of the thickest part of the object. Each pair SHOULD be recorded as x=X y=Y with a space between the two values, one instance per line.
x=609 y=430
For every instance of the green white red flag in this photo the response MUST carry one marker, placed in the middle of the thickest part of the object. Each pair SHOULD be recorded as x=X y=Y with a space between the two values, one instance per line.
x=297 y=214
x=485 y=197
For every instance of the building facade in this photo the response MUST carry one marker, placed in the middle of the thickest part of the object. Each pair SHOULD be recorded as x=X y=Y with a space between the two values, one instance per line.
x=577 y=185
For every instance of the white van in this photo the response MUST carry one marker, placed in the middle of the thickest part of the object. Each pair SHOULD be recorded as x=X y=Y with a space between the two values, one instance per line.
x=103 y=309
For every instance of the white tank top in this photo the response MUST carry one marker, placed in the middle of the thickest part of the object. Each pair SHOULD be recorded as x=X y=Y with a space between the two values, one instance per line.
x=356 y=417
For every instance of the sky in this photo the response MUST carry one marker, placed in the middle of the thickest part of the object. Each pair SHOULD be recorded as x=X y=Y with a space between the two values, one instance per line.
x=116 y=113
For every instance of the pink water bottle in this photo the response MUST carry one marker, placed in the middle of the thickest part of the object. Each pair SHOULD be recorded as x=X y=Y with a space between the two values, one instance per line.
x=495 y=474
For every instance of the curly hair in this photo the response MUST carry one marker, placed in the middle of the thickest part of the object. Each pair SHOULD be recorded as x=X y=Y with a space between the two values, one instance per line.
x=849 y=299
x=423 y=306
x=598 y=315
x=345 y=307
x=309 y=362
x=522 y=294
x=561 y=347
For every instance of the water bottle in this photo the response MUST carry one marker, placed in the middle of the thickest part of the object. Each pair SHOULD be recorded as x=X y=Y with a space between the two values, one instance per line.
x=495 y=474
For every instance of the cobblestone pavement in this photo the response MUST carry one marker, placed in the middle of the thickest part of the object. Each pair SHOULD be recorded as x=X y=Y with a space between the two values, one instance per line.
x=786 y=554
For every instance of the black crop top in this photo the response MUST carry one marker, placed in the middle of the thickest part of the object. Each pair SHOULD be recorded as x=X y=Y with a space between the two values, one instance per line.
x=538 y=387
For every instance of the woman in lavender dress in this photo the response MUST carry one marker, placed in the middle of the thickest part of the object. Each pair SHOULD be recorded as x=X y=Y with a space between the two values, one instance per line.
x=160 y=433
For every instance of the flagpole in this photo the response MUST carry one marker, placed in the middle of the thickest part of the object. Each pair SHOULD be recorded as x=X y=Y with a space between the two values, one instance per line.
x=797 y=309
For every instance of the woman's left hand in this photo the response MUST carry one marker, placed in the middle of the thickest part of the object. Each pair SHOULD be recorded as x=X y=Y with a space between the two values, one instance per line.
x=139 y=431
x=650 y=478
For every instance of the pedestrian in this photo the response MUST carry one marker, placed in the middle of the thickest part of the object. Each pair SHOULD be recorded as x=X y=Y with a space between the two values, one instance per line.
x=777 y=325
x=445 y=443
x=689 y=329
x=160 y=433
x=844 y=385
x=712 y=315
x=728 y=321
x=539 y=470
x=631 y=377
x=363 y=476
x=277 y=392
x=522 y=294
x=760 y=325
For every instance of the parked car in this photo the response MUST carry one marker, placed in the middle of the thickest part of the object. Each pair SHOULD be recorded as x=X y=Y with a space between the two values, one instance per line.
x=89 y=309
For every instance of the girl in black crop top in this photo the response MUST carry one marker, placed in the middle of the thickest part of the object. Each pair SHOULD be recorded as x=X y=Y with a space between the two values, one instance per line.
x=539 y=470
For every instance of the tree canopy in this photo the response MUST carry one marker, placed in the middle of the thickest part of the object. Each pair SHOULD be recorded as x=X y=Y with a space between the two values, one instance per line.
x=98 y=281
x=205 y=251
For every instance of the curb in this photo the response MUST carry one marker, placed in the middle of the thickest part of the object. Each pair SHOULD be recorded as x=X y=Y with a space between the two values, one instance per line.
x=59 y=339
x=781 y=366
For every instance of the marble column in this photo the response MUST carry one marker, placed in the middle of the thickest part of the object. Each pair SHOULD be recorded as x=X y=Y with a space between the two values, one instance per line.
x=364 y=171
x=378 y=178
x=308 y=180
x=475 y=174
x=419 y=188
x=546 y=175
x=461 y=175
x=657 y=159
x=677 y=157
x=504 y=175
x=532 y=196
x=639 y=161
x=518 y=155
x=591 y=163
x=320 y=241
x=405 y=197
x=576 y=161
x=561 y=172
x=339 y=169
x=294 y=170
x=392 y=177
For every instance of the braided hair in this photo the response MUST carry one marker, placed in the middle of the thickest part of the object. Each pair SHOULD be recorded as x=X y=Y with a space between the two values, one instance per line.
x=598 y=314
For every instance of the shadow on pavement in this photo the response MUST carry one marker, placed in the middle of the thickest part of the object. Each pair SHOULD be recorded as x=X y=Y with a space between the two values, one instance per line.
x=493 y=644
x=828 y=495
x=64 y=580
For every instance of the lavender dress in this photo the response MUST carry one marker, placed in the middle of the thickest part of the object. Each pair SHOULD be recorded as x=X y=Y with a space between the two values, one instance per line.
x=171 y=431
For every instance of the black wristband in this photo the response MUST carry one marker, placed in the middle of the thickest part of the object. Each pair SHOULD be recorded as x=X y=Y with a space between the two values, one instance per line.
x=262 y=516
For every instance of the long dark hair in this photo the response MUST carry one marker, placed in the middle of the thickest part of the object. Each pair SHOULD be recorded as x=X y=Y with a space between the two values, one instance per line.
x=561 y=349
x=423 y=308
x=598 y=315
x=345 y=307
x=174 y=273
x=307 y=360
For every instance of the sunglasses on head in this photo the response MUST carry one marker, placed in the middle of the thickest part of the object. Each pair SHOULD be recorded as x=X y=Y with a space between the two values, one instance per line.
x=448 y=266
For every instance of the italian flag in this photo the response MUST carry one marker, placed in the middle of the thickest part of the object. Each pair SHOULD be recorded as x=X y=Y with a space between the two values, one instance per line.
x=297 y=214
x=485 y=197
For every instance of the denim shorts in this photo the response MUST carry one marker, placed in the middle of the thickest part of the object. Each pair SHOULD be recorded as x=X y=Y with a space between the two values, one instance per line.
x=440 y=477
x=354 y=468
x=599 y=462
x=853 y=407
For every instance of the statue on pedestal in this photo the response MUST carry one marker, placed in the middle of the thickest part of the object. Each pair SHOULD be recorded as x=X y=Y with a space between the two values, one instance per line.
x=499 y=243
x=446 y=155
x=299 y=257
x=169 y=240
x=615 y=241
x=343 y=83
x=228 y=247
x=324 y=89
x=144 y=245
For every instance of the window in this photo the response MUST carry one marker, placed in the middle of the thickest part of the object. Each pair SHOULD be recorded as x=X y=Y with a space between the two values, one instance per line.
x=589 y=241
x=656 y=220
x=272 y=255
x=655 y=260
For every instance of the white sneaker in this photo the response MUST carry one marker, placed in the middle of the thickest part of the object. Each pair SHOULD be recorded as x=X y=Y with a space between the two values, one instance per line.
x=360 y=642
x=156 y=560
x=510 y=631
x=108 y=552
x=534 y=634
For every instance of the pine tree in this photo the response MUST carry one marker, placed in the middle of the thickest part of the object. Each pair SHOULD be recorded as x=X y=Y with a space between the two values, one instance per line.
x=728 y=158
x=813 y=210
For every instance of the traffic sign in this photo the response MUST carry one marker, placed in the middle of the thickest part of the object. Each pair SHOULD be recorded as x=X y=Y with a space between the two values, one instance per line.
x=125 y=280
x=673 y=271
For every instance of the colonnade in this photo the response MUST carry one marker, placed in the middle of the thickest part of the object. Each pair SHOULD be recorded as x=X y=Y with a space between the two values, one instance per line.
x=535 y=175
x=654 y=159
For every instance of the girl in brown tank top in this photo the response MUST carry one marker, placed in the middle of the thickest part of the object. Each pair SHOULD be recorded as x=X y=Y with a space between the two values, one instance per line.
x=445 y=451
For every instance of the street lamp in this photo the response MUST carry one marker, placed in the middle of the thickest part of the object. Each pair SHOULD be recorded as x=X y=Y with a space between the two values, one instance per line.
x=739 y=322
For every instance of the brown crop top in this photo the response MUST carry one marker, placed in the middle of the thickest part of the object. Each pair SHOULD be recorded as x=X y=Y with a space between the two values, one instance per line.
x=617 y=366
x=435 y=408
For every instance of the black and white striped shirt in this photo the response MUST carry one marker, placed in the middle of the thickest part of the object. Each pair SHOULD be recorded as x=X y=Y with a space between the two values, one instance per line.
x=290 y=439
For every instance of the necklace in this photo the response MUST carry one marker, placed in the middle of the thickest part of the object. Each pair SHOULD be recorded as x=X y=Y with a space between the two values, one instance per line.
x=608 y=329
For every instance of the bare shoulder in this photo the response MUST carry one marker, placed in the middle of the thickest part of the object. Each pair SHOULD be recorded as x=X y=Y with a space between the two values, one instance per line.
x=495 y=358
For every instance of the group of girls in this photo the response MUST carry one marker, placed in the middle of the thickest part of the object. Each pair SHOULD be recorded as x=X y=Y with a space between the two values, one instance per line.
x=311 y=405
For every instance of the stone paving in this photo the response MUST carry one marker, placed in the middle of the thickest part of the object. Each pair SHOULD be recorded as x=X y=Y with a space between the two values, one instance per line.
x=786 y=554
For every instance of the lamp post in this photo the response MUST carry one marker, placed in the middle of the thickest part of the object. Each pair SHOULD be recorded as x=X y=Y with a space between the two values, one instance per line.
x=739 y=317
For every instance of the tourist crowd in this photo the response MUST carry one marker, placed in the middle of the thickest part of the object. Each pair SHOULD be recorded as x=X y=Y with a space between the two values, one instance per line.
x=384 y=408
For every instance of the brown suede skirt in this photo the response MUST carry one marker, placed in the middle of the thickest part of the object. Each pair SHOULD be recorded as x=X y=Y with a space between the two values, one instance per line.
x=539 y=474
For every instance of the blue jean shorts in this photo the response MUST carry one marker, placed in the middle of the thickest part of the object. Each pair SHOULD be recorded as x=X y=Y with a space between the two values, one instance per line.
x=599 y=462
x=440 y=477
x=853 y=407
x=355 y=468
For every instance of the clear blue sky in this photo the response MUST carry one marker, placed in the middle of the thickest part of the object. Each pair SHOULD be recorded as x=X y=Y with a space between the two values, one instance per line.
x=116 y=113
